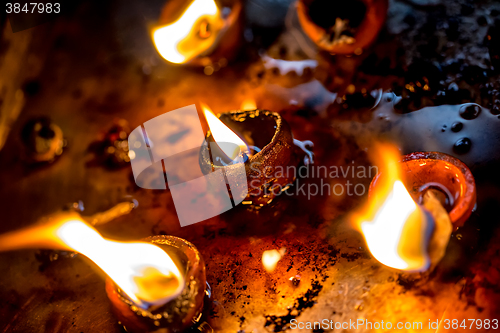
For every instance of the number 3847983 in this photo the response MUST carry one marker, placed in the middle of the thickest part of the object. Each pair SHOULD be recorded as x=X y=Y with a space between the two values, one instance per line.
x=33 y=7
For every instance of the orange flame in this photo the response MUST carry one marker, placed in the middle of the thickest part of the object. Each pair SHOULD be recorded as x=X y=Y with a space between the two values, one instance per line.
x=270 y=259
x=248 y=104
x=393 y=225
x=222 y=134
x=143 y=271
x=195 y=32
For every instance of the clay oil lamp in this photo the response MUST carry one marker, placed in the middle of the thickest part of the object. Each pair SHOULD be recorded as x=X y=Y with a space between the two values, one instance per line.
x=342 y=27
x=414 y=204
x=43 y=141
x=264 y=142
x=154 y=285
x=181 y=307
x=448 y=178
x=198 y=32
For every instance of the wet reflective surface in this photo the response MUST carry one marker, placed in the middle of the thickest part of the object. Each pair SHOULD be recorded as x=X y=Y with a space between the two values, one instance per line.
x=446 y=102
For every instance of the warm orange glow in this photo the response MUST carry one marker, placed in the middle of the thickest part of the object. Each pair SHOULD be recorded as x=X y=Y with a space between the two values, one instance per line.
x=195 y=32
x=248 y=104
x=270 y=259
x=224 y=134
x=394 y=226
x=143 y=271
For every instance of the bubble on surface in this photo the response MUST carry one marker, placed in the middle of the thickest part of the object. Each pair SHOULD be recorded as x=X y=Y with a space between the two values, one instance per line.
x=457 y=126
x=462 y=146
x=470 y=111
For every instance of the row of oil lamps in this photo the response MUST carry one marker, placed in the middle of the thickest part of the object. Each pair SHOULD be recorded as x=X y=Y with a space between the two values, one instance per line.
x=202 y=32
x=159 y=284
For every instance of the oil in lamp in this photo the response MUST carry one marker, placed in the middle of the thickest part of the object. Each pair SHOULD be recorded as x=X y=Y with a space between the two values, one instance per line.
x=155 y=285
x=342 y=27
x=266 y=144
x=414 y=203
x=198 y=32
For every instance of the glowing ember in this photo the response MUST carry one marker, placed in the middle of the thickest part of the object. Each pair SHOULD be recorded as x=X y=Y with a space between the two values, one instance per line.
x=270 y=259
x=194 y=33
x=143 y=271
x=395 y=228
x=223 y=134
x=248 y=104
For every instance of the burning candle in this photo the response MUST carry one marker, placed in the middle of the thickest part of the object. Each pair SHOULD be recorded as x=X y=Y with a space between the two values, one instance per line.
x=260 y=139
x=197 y=31
x=155 y=284
x=342 y=27
x=411 y=233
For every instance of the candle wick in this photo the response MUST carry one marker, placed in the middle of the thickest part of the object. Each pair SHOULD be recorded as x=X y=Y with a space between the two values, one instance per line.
x=120 y=209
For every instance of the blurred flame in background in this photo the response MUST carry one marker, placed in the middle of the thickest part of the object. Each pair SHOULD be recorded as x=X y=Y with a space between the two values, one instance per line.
x=270 y=259
x=248 y=104
x=195 y=32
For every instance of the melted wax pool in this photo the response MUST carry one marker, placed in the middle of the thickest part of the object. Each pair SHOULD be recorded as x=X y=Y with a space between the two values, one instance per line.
x=468 y=131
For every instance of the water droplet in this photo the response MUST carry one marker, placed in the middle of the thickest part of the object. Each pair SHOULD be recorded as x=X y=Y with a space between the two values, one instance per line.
x=470 y=111
x=457 y=127
x=462 y=146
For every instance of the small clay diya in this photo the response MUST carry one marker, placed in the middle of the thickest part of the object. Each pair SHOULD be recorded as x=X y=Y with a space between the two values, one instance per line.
x=179 y=313
x=446 y=177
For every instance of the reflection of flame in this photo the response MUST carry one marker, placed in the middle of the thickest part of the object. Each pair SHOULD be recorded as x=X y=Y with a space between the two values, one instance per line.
x=248 y=104
x=270 y=259
x=194 y=33
x=143 y=271
x=394 y=227
x=222 y=134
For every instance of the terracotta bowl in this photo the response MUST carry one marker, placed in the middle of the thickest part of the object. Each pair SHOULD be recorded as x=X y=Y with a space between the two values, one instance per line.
x=269 y=132
x=444 y=174
x=367 y=32
x=176 y=315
